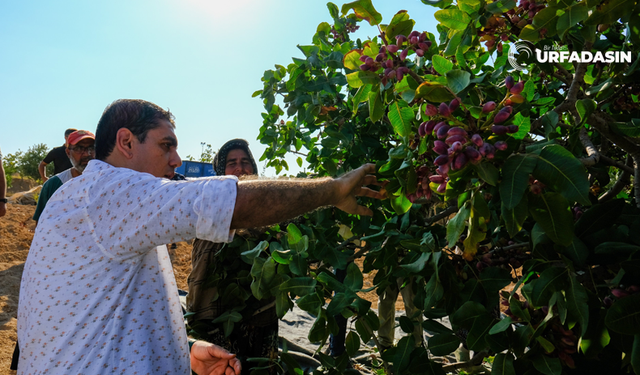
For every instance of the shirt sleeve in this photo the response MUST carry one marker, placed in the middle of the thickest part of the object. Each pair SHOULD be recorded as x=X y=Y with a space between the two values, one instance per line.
x=51 y=155
x=135 y=214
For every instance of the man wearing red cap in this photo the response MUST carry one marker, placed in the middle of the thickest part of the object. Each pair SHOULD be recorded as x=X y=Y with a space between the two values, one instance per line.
x=79 y=149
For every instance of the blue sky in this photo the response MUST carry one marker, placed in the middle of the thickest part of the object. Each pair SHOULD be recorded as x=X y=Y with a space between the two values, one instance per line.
x=62 y=62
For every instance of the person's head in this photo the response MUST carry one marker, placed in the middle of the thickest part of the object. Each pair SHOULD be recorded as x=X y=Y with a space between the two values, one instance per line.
x=234 y=158
x=80 y=148
x=139 y=135
x=66 y=134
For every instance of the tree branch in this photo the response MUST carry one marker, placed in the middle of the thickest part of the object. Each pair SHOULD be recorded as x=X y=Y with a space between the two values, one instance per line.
x=615 y=163
x=592 y=152
x=623 y=180
x=442 y=214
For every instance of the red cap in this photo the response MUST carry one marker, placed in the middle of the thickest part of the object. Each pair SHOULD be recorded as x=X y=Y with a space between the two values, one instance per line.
x=79 y=135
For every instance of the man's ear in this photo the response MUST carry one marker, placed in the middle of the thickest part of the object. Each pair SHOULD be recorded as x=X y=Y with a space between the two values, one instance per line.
x=66 y=151
x=124 y=142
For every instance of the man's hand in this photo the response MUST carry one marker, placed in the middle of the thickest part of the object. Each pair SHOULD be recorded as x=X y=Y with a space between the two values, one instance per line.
x=352 y=185
x=210 y=359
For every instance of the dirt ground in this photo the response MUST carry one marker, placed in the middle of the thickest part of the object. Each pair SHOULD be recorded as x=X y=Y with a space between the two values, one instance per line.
x=16 y=233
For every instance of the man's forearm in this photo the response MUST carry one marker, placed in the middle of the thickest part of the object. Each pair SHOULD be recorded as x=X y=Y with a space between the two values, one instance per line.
x=266 y=202
x=41 y=169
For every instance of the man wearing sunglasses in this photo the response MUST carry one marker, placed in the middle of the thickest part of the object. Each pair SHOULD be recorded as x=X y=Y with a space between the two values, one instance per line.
x=80 y=149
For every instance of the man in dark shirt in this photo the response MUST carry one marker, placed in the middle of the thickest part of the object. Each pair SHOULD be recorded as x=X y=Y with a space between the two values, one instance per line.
x=58 y=155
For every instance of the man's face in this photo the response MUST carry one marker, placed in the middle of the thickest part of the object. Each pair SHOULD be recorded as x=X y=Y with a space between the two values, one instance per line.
x=238 y=163
x=158 y=154
x=80 y=154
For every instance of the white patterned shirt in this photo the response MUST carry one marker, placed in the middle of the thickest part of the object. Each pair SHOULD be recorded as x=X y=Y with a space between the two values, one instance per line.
x=98 y=294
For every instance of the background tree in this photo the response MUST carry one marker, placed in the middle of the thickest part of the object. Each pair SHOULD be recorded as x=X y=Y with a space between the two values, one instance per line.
x=26 y=163
x=498 y=175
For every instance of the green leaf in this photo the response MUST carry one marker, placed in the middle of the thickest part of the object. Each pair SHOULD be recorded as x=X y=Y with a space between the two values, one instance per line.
x=529 y=90
x=351 y=60
x=476 y=337
x=503 y=364
x=457 y=224
x=501 y=6
x=360 y=78
x=635 y=354
x=469 y=6
x=401 y=204
x=249 y=255
x=577 y=251
x=363 y=10
x=524 y=125
x=458 y=80
x=610 y=12
x=467 y=313
x=319 y=331
x=434 y=327
x=353 y=280
x=452 y=18
x=401 y=359
x=515 y=178
x=551 y=211
x=572 y=16
x=293 y=234
x=631 y=128
x=546 y=344
x=547 y=19
x=577 y=306
x=547 y=365
x=585 y=108
x=352 y=343
x=401 y=115
x=599 y=216
x=434 y=291
x=550 y=280
x=443 y=344
x=418 y=265
x=361 y=96
x=310 y=303
x=283 y=304
x=493 y=279
x=624 y=316
x=300 y=286
x=433 y=92
x=557 y=167
x=488 y=172
x=339 y=302
x=401 y=24
x=441 y=65
x=501 y=326
x=515 y=217
x=376 y=106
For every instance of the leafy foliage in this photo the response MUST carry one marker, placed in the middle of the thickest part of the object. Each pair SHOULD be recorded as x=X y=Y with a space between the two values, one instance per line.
x=496 y=175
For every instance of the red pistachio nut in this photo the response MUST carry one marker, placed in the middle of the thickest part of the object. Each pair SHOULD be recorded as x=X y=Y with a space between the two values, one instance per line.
x=509 y=82
x=444 y=110
x=488 y=107
x=499 y=129
x=439 y=147
x=477 y=140
x=431 y=110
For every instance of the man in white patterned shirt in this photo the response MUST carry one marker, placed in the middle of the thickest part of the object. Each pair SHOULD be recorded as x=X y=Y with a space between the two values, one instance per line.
x=98 y=294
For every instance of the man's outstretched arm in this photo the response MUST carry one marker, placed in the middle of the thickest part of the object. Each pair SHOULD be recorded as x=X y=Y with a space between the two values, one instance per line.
x=265 y=202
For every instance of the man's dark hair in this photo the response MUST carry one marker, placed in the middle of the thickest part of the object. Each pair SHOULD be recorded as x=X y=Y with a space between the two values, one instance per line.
x=68 y=131
x=139 y=116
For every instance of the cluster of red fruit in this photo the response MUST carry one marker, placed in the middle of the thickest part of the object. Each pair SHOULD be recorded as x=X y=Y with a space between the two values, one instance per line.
x=391 y=61
x=497 y=31
x=621 y=292
x=349 y=27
